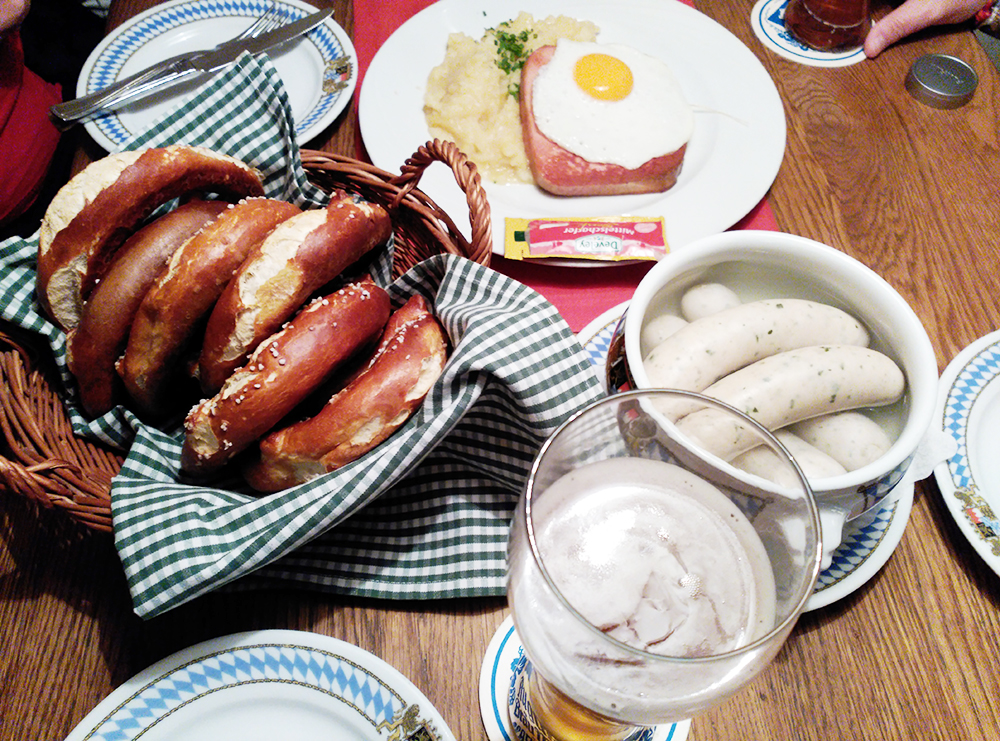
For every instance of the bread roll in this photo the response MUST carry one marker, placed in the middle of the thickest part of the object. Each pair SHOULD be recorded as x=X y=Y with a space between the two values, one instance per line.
x=375 y=404
x=172 y=312
x=99 y=208
x=100 y=337
x=281 y=372
x=299 y=257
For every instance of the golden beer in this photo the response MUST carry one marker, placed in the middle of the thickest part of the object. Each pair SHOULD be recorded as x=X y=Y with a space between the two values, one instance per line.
x=542 y=713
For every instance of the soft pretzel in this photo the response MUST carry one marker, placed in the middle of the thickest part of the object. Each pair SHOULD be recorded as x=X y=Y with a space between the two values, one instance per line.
x=100 y=337
x=183 y=295
x=100 y=207
x=281 y=372
x=366 y=412
x=298 y=258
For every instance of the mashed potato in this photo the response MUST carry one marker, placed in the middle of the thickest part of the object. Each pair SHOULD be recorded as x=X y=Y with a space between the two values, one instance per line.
x=471 y=101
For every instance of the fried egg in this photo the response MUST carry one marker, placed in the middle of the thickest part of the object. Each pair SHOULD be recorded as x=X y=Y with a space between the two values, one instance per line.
x=610 y=103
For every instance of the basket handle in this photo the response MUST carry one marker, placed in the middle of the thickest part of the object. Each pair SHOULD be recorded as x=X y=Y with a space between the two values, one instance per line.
x=468 y=179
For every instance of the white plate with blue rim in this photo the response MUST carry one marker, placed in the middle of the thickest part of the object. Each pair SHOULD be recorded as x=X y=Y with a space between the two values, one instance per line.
x=319 y=71
x=266 y=685
x=867 y=541
x=969 y=408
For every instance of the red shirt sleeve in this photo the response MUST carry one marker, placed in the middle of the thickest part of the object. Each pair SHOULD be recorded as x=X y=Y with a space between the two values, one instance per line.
x=28 y=138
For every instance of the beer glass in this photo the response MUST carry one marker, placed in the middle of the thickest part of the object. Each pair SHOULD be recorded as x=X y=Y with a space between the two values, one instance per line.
x=649 y=579
x=829 y=25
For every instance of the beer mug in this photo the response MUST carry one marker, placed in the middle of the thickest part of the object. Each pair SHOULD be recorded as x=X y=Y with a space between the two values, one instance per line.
x=648 y=578
x=829 y=25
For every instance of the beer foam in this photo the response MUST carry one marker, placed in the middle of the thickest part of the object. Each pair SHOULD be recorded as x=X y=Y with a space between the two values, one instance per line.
x=655 y=557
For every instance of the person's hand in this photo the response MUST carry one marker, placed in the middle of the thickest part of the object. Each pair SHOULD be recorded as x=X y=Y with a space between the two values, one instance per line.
x=916 y=15
x=12 y=12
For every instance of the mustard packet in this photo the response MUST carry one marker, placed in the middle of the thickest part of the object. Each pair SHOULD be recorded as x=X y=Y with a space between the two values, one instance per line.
x=609 y=238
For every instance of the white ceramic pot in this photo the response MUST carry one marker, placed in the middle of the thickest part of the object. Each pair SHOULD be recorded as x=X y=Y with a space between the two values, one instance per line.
x=764 y=264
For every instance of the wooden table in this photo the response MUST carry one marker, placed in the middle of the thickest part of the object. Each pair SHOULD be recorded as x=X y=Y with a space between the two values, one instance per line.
x=909 y=190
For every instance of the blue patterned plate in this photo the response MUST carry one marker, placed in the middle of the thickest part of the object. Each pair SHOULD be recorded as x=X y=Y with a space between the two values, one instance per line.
x=319 y=71
x=868 y=541
x=266 y=685
x=969 y=406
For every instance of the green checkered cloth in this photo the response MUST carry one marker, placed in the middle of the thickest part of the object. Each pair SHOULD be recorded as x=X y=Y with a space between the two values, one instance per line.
x=423 y=516
x=99 y=8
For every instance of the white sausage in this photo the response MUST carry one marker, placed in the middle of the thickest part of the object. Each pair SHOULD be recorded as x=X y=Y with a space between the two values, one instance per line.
x=764 y=462
x=852 y=438
x=656 y=330
x=791 y=386
x=701 y=353
x=706 y=299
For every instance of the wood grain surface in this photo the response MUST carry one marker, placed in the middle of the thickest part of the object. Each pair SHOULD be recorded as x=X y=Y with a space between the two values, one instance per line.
x=909 y=190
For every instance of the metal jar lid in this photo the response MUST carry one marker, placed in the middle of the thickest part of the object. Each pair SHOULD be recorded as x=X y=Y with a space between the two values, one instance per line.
x=942 y=81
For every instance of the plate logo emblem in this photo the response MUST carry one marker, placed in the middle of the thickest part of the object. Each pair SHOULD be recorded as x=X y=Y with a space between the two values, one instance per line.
x=981 y=516
x=407 y=725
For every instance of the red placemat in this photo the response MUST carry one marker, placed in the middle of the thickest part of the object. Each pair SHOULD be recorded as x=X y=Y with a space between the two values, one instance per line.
x=28 y=139
x=580 y=294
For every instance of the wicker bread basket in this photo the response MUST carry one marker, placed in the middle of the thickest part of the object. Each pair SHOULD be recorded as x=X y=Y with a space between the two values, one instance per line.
x=41 y=458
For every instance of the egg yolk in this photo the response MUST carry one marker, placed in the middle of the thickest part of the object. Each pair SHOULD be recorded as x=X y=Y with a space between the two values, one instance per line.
x=603 y=76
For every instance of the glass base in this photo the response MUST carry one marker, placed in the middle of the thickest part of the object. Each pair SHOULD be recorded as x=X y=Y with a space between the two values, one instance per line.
x=522 y=705
x=504 y=664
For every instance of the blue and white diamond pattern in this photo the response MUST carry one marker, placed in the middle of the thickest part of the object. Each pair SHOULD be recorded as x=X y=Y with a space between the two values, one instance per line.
x=858 y=545
x=312 y=668
x=969 y=383
x=169 y=16
x=597 y=347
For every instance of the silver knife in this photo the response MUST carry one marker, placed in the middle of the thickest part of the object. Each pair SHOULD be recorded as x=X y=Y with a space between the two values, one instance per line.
x=180 y=68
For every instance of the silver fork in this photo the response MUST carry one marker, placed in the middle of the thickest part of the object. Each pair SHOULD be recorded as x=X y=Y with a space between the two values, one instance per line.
x=124 y=91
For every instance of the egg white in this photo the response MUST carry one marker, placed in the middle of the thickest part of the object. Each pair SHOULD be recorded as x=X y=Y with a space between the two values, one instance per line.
x=654 y=119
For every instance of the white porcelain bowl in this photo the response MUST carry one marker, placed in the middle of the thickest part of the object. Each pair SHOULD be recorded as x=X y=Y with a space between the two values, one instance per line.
x=763 y=264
